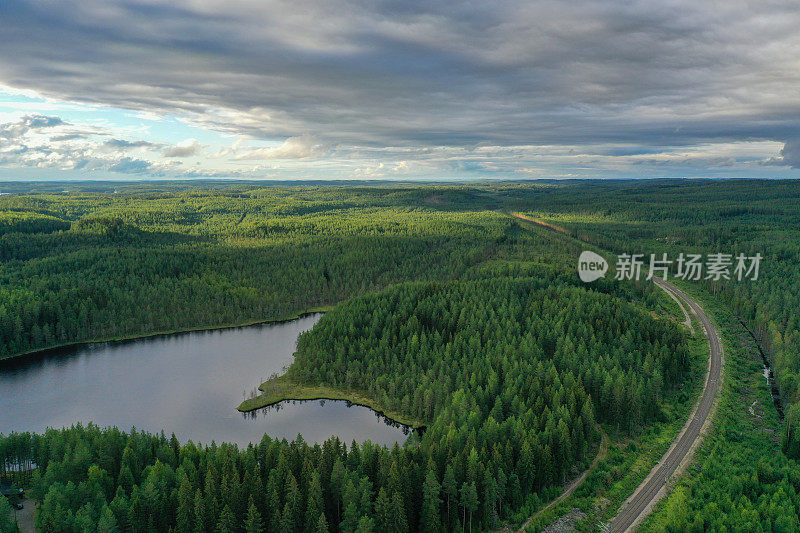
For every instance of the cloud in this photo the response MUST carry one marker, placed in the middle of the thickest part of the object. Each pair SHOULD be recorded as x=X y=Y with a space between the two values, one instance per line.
x=186 y=148
x=68 y=137
x=48 y=142
x=428 y=73
x=791 y=153
x=426 y=80
x=41 y=121
x=125 y=144
x=27 y=123
x=126 y=165
x=304 y=146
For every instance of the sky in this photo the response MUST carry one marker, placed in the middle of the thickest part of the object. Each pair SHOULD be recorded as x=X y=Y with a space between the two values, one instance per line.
x=404 y=90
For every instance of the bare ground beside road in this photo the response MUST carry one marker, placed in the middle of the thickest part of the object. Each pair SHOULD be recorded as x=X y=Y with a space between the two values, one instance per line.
x=574 y=484
x=26 y=515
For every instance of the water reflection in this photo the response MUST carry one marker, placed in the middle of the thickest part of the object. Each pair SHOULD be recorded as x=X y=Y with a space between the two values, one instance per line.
x=189 y=384
x=270 y=411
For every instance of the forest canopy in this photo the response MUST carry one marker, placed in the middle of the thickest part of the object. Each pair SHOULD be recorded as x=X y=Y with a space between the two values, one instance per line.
x=444 y=308
x=509 y=373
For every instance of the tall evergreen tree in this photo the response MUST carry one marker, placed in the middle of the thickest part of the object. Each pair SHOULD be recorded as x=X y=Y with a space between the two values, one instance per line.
x=253 y=523
x=429 y=520
x=226 y=522
x=469 y=502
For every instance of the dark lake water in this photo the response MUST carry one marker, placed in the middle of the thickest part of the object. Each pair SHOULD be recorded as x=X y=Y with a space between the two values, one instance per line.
x=188 y=383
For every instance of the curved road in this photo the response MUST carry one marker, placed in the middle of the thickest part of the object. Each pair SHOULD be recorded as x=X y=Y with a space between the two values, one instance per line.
x=638 y=506
x=648 y=492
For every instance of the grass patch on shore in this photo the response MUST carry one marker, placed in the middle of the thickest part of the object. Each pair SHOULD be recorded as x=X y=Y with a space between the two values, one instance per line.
x=284 y=387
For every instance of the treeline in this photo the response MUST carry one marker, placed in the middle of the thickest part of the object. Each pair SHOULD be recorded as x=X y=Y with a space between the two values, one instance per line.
x=106 y=480
x=107 y=266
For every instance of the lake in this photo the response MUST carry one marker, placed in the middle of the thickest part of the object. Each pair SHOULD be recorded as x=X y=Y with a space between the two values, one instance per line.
x=188 y=384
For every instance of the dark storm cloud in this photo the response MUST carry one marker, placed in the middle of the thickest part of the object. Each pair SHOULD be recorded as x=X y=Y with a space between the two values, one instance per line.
x=791 y=153
x=426 y=73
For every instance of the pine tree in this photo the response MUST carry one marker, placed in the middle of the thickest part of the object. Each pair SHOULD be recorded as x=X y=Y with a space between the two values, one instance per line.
x=183 y=516
x=338 y=475
x=383 y=511
x=469 y=501
x=294 y=499
x=315 y=504
x=322 y=524
x=107 y=522
x=365 y=496
x=398 y=522
x=490 y=498
x=253 y=523
x=286 y=523
x=273 y=504
x=450 y=487
x=226 y=522
x=429 y=520
x=526 y=468
x=350 y=518
x=199 y=523
x=365 y=525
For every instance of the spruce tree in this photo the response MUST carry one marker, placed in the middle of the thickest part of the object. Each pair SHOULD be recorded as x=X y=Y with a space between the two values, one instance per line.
x=429 y=519
x=226 y=522
x=253 y=522
x=469 y=501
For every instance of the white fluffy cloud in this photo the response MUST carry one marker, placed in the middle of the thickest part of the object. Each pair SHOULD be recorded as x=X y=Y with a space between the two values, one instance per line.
x=301 y=147
x=48 y=142
x=20 y=127
x=186 y=148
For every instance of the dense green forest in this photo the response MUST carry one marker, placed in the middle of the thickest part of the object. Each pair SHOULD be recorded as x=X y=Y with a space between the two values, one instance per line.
x=742 y=480
x=735 y=217
x=81 y=267
x=448 y=310
x=509 y=372
x=414 y=346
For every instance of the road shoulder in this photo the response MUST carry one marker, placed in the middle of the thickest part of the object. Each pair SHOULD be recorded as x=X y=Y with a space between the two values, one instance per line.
x=689 y=454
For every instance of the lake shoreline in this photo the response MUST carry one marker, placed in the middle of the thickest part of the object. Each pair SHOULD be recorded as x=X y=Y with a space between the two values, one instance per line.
x=42 y=352
x=290 y=390
x=184 y=384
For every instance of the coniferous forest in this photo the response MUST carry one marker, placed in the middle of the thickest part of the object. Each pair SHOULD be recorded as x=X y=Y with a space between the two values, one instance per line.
x=440 y=306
